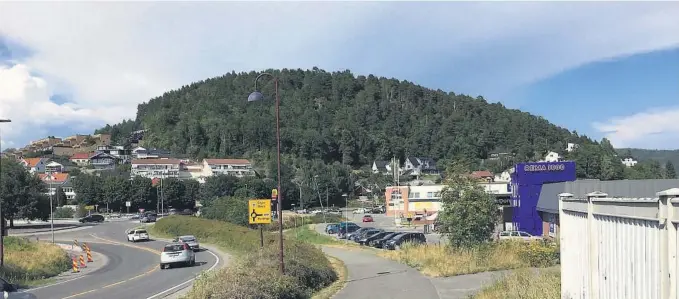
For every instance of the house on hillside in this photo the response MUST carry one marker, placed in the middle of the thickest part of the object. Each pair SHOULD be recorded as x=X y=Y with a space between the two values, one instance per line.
x=156 y=168
x=420 y=165
x=104 y=161
x=34 y=165
x=153 y=153
x=384 y=167
x=54 y=167
x=120 y=152
x=56 y=180
x=571 y=147
x=629 y=161
x=234 y=167
x=552 y=157
x=483 y=175
x=81 y=159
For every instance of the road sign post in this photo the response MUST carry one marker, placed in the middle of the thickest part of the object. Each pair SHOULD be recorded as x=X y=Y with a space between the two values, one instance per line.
x=128 y=204
x=259 y=212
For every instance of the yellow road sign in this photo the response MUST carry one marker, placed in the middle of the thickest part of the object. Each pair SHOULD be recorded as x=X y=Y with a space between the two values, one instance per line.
x=89 y=208
x=259 y=211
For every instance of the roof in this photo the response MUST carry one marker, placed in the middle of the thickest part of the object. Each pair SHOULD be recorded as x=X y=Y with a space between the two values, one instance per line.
x=549 y=201
x=381 y=165
x=80 y=156
x=156 y=161
x=414 y=161
x=99 y=154
x=32 y=162
x=54 y=163
x=479 y=174
x=226 y=161
x=56 y=177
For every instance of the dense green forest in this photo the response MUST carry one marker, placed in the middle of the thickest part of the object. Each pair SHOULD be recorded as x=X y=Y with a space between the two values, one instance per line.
x=662 y=156
x=352 y=120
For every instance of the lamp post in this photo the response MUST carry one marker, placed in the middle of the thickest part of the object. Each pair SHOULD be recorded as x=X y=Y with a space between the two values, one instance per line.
x=52 y=192
x=258 y=96
x=2 y=218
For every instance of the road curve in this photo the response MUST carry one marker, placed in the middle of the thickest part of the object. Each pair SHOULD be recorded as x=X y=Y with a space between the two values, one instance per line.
x=132 y=270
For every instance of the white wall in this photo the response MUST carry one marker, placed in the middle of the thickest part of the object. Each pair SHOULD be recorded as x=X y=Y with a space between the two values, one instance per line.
x=613 y=248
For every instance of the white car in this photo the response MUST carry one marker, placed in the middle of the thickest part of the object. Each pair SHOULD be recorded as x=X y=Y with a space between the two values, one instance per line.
x=136 y=235
x=518 y=235
x=177 y=253
x=11 y=291
x=190 y=240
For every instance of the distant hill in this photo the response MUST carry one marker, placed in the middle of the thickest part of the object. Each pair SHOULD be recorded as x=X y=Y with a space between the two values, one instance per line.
x=339 y=117
x=661 y=156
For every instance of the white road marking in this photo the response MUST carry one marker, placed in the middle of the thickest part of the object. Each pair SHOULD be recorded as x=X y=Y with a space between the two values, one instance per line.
x=188 y=281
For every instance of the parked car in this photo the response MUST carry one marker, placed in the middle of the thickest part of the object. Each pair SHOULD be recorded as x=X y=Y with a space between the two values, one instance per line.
x=379 y=243
x=367 y=218
x=398 y=241
x=92 y=218
x=137 y=235
x=189 y=240
x=332 y=228
x=518 y=235
x=359 y=211
x=346 y=230
x=362 y=234
x=148 y=217
x=372 y=236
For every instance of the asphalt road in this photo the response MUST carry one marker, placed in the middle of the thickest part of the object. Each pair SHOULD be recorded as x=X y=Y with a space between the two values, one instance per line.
x=132 y=270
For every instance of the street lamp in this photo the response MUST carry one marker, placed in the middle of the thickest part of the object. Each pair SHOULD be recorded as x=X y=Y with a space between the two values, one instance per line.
x=2 y=218
x=50 y=178
x=258 y=96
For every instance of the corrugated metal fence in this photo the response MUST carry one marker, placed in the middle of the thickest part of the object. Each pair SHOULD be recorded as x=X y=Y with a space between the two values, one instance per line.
x=617 y=248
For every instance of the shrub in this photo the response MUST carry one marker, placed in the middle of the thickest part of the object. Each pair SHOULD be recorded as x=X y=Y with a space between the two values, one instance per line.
x=81 y=211
x=230 y=209
x=64 y=212
x=27 y=261
x=255 y=274
x=540 y=254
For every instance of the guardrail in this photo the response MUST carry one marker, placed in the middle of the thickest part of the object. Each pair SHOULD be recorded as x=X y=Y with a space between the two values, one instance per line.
x=615 y=248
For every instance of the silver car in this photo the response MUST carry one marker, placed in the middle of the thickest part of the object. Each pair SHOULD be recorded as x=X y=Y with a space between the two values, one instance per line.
x=190 y=240
x=177 y=253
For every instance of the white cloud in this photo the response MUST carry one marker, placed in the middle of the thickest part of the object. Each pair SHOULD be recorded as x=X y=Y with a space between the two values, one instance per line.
x=656 y=129
x=119 y=54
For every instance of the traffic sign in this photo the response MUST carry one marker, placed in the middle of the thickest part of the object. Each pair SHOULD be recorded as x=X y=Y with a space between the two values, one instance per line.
x=128 y=204
x=89 y=208
x=274 y=194
x=259 y=211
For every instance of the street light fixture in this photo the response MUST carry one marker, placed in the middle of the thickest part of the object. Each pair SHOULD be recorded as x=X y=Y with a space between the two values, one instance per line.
x=258 y=96
x=2 y=218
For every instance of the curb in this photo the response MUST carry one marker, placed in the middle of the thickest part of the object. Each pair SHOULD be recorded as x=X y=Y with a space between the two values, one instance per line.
x=69 y=247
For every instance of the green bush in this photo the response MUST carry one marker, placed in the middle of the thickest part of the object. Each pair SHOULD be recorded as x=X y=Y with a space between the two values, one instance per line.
x=230 y=209
x=64 y=212
x=255 y=274
x=27 y=261
x=540 y=254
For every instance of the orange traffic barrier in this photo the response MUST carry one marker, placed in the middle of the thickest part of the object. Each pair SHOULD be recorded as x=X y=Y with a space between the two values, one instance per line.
x=75 y=266
x=82 y=262
x=86 y=247
x=89 y=257
x=75 y=242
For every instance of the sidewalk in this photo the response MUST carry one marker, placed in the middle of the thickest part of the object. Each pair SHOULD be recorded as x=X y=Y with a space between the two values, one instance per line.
x=369 y=274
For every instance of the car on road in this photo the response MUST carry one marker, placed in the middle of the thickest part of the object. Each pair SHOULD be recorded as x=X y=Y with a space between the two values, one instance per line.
x=177 y=254
x=92 y=218
x=148 y=217
x=379 y=243
x=189 y=240
x=136 y=235
x=331 y=228
x=398 y=241
x=11 y=291
x=518 y=235
x=367 y=218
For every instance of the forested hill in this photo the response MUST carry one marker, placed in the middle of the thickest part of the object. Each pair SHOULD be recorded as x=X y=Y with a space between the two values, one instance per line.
x=662 y=156
x=339 y=117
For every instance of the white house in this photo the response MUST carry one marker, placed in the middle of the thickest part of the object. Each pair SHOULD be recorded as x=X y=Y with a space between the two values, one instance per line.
x=156 y=168
x=420 y=165
x=193 y=171
x=234 y=167
x=503 y=177
x=56 y=180
x=552 y=157
x=34 y=165
x=384 y=167
x=571 y=147
x=53 y=167
x=629 y=161
x=153 y=153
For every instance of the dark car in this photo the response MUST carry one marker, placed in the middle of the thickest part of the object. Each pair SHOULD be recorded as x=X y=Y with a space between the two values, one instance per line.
x=398 y=241
x=347 y=230
x=369 y=237
x=331 y=228
x=357 y=236
x=379 y=243
x=92 y=218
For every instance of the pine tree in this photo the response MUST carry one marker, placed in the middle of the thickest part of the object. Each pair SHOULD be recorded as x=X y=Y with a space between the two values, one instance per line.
x=670 y=173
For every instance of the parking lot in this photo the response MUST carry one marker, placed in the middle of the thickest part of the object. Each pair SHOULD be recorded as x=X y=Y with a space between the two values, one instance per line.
x=388 y=223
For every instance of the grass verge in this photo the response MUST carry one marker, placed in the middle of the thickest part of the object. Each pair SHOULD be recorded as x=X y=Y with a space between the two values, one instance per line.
x=336 y=286
x=254 y=273
x=525 y=284
x=442 y=261
x=29 y=263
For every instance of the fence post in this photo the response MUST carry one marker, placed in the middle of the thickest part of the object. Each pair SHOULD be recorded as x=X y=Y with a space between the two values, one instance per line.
x=593 y=244
x=668 y=250
x=564 y=278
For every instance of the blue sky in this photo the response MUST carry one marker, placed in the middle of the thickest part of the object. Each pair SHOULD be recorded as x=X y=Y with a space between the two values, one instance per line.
x=72 y=67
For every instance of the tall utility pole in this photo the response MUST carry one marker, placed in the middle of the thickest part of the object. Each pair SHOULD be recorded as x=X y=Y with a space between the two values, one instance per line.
x=2 y=217
x=162 y=197
x=52 y=191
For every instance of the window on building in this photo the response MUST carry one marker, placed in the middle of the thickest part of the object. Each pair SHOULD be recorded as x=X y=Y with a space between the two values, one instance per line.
x=430 y=194
x=415 y=195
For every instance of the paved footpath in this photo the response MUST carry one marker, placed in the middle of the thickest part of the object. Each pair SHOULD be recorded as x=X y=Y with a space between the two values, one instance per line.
x=369 y=273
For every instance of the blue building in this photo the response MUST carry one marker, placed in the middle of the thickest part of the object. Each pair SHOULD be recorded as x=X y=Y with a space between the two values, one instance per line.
x=527 y=181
